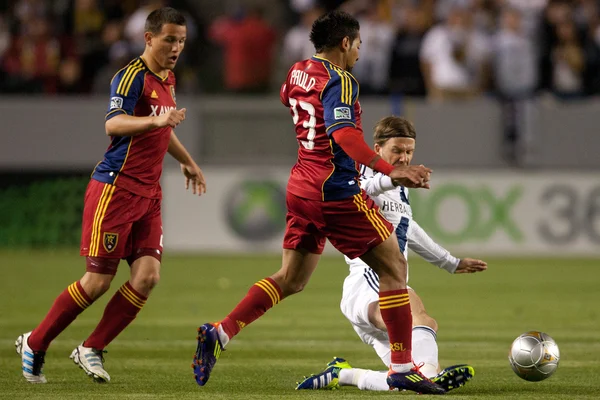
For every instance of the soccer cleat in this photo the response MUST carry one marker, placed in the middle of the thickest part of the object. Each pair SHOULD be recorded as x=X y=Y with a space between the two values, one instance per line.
x=91 y=361
x=32 y=362
x=454 y=377
x=328 y=379
x=413 y=380
x=207 y=352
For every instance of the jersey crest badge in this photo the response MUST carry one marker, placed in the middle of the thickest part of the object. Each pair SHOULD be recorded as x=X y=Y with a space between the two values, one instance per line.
x=110 y=241
x=173 y=93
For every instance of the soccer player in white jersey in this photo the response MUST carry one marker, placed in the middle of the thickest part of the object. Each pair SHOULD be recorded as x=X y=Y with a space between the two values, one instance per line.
x=394 y=139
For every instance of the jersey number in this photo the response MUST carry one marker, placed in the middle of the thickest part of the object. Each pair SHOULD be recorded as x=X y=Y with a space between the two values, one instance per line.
x=310 y=124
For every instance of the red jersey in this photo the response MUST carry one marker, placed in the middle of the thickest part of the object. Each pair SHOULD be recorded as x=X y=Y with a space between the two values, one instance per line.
x=134 y=163
x=322 y=98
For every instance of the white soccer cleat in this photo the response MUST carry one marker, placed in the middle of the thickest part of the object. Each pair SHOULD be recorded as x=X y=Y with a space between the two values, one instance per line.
x=31 y=362
x=91 y=361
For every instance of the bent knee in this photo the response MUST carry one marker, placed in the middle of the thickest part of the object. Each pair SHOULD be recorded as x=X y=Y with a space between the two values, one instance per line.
x=423 y=319
x=147 y=282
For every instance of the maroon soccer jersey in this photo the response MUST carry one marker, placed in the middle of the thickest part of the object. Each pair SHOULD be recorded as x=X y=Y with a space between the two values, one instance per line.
x=134 y=163
x=322 y=98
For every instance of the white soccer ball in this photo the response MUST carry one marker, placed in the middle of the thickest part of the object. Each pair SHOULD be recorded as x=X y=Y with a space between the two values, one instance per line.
x=534 y=356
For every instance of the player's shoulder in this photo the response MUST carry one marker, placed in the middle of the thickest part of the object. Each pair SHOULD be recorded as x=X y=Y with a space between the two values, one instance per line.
x=132 y=73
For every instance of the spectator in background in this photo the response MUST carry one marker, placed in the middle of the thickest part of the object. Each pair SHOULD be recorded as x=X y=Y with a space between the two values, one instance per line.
x=117 y=52
x=296 y=46
x=33 y=59
x=134 y=26
x=516 y=78
x=405 y=70
x=248 y=42
x=567 y=59
x=515 y=62
x=377 y=37
x=455 y=58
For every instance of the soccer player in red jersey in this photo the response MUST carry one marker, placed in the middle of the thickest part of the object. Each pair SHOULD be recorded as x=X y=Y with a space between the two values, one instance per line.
x=325 y=201
x=122 y=210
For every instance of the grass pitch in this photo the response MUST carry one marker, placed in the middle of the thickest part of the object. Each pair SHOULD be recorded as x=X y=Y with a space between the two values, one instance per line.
x=479 y=316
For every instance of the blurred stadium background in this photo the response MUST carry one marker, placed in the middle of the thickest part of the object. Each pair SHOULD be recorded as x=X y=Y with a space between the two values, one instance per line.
x=505 y=98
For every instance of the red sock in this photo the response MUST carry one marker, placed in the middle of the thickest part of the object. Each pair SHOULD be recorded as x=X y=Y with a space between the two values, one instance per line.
x=261 y=297
x=395 y=311
x=119 y=312
x=67 y=306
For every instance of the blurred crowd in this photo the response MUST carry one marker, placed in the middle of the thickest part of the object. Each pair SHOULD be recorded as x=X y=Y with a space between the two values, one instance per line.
x=443 y=49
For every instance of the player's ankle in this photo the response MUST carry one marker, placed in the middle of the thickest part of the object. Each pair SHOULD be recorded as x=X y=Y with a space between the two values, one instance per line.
x=404 y=367
x=223 y=337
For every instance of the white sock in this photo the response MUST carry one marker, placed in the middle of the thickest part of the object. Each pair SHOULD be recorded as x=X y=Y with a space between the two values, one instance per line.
x=425 y=350
x=350 y=376
x=222 y=336
x=373 y=380
x=401 y=367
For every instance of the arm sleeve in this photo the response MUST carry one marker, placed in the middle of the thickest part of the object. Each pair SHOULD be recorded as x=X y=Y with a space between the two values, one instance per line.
x=351 y=140
x=374 y=183
x=420 y=242
x=338 y=104
x=126 y=88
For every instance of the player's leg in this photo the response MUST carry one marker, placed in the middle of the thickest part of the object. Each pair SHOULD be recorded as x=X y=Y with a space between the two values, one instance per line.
x=358 y=229
x=32 y=346
x=126 y=216
x=303 y=244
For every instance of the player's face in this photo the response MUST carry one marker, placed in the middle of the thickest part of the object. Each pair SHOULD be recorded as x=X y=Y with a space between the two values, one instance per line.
x=168 y=44
x=352 y=54
x=397 y=151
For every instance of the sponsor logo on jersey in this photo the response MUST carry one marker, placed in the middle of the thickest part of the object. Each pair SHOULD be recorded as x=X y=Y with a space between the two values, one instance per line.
x=154 y=95
x=159 y=110
x=341 y=113
x=116 y=102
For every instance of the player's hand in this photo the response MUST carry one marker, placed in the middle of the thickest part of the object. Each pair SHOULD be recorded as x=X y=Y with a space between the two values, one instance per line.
x=470 y=265
x=193 y=174
x=411 y=176
x=171 y=118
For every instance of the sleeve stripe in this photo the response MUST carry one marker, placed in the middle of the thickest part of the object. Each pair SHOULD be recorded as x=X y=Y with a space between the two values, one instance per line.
x=339 y=123
x=126 y=79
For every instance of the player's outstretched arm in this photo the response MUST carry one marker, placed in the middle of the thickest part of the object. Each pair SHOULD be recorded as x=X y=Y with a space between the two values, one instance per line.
x=376 y=184
x=129 y=125
x=422 y=244
x=189 y=168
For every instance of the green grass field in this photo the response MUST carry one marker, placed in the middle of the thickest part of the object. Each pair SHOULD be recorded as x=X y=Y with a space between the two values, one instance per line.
x=479 y=316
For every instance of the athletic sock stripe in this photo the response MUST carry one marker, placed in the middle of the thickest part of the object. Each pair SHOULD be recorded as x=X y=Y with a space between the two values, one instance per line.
x=77 y=296
x=385 y=307
x=396 y=296
x=386 y=302
x=267 y=290
x=269 y=284
x=133 y=299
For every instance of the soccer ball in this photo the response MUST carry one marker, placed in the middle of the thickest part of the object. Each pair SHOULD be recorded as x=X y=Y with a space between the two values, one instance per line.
x=534 y=356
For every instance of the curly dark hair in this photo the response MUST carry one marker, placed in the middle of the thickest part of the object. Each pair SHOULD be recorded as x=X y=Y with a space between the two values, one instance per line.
x=330 y=29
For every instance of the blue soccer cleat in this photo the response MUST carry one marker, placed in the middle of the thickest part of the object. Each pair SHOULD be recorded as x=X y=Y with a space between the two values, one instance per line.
x=328 y=379
x=413 y=380
x=207 y=353
x=454 y=377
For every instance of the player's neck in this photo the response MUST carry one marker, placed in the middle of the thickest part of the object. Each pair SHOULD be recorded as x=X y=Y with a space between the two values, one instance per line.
x=153 y=66
x=334 y=57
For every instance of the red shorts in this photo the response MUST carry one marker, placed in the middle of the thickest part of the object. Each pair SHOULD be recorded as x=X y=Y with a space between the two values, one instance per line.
x=119 y=224
x=353 y=225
